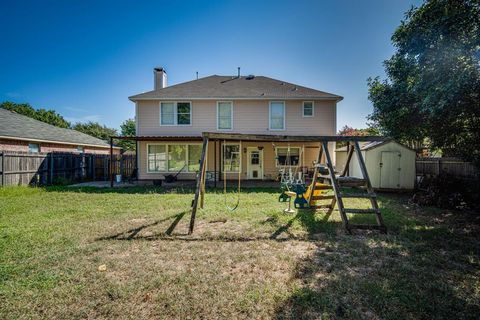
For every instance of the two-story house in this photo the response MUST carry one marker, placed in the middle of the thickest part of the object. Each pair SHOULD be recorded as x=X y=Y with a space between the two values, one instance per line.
x=170 y=121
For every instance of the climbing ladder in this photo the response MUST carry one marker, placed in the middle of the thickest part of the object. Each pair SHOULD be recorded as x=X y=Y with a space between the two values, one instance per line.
x=336 y=182
x=314 y=193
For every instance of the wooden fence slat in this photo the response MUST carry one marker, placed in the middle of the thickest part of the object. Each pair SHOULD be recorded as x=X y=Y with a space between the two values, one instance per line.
x=441 y=166
x=3 y=168
x=20 y=168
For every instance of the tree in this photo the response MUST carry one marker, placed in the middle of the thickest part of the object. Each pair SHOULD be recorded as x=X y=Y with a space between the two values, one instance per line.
x=432 y=90
x=95 y=129
x=349 y=131
x=47 y=116
x=128 y=129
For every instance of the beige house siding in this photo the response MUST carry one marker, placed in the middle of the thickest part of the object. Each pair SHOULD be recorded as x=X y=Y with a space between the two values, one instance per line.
x=309 y=152
x=249 y=116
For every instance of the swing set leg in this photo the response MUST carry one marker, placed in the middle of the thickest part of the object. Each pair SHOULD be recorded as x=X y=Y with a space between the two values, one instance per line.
x=199 y=185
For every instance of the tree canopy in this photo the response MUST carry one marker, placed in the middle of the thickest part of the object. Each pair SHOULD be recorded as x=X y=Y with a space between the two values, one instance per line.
x=48 y=116
x=128 y=129
x=349 y=131
x=432 y=90
x=95 y=129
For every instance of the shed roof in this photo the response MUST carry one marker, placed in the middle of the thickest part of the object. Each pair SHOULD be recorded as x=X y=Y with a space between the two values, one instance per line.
x=229 y=87
x=20 y=127
x=374 y=144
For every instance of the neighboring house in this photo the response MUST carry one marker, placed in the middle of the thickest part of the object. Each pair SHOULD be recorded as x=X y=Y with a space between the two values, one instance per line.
x=171 y=119
x=21 y=133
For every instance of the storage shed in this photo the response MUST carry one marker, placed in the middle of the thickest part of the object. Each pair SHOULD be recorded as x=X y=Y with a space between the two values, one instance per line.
x=390 y=164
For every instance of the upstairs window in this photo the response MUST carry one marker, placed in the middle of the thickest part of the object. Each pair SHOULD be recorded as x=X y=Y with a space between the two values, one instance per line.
x=224 y=116
x=175 y=113
x=277 y=115
x=167 y=113
x=33 y=147
x=184 y=113
x=308 y=109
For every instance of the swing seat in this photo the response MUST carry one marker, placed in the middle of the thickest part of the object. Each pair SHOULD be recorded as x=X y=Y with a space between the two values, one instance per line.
x=290 y=194
x=300 y=202
x=283 y=197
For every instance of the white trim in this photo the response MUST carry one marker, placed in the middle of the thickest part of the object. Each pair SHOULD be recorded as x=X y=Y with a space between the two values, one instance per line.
x=286 y=147
x=231 y=118
x=261 y=154
x=240 y=152
x=166 y=152
x=175 y=113
x=270 y=115
x=313 y=109
x=338 y=99
x=57 y=142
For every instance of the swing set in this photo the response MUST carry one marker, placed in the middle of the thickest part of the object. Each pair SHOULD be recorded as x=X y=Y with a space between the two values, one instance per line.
x=293 y=184
x=239 y=179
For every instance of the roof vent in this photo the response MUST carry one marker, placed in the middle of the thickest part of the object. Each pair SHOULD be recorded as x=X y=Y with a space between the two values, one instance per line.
x=250 y=77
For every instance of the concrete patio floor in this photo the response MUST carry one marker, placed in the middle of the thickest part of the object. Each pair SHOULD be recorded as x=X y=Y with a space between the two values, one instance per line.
x=182 y=183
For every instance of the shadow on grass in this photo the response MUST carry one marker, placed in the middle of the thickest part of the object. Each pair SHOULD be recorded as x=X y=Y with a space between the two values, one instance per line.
x=309 y=219
x=155 y=190
x=417 y=271
x=306 y=218
x=132 y=234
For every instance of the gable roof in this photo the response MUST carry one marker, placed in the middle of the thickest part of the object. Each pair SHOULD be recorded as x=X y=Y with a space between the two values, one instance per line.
x=228 y=87
x=20 y=127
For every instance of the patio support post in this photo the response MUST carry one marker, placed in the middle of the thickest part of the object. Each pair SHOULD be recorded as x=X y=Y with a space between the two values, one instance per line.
x=215 y=163
x=136 y=158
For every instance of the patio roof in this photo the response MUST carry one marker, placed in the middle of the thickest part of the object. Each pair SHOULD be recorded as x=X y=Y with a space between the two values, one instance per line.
x=253 y=137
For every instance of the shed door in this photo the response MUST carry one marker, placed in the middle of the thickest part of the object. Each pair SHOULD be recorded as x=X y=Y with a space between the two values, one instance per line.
x=390 y=170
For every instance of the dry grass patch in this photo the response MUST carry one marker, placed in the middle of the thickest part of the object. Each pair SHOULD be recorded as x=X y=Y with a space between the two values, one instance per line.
x=85 y=253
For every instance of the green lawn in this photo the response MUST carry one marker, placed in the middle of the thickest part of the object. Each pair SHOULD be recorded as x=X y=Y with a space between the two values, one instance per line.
x=253 y=263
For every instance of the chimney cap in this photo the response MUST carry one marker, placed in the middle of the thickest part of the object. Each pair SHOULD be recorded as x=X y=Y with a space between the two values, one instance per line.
x=160 y=69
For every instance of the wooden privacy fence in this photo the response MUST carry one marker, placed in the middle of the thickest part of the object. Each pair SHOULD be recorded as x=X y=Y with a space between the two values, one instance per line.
x=21 y=168
x=434 y=167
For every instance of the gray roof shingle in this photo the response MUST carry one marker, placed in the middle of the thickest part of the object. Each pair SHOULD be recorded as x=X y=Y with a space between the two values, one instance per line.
x=228 y=87
x=15 y=125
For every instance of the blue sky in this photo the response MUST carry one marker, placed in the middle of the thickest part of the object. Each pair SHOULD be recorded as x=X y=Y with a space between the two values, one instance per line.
x=84 y=58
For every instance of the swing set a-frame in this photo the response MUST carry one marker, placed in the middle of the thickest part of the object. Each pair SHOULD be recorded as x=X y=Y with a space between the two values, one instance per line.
x=321 y=180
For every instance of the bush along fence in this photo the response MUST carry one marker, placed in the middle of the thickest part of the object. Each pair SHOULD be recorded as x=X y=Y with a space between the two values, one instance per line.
x=21 y=168
x=452 y=167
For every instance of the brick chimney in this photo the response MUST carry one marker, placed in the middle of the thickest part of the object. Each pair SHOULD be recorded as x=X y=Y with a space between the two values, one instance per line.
x=160 y=78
